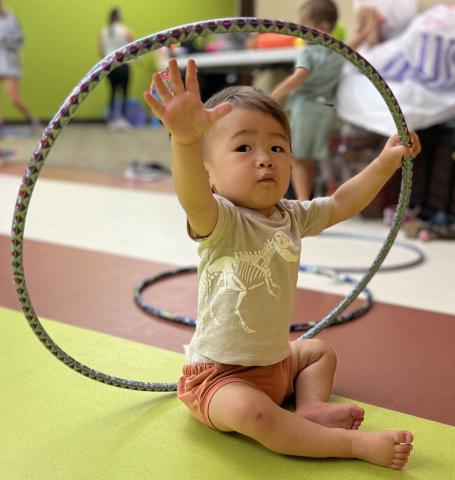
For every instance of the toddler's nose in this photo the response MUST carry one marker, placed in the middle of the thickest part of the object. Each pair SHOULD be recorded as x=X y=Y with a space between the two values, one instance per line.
x=266 y=164
x=263 y=160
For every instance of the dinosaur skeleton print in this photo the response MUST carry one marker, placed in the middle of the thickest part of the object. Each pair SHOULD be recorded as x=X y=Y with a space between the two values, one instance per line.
x=243 y=272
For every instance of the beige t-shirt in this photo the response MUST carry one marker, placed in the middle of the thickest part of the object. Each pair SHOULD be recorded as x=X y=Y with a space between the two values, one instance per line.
x=247 y=281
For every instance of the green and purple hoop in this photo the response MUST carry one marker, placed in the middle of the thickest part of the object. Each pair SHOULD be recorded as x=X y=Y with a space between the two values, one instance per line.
x=130 y=52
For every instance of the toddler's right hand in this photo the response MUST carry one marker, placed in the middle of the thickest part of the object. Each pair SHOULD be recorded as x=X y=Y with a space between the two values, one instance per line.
x=180 y=107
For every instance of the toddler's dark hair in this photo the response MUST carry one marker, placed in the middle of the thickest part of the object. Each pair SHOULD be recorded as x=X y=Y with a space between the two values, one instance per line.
x=321 y=11
x=253 y=99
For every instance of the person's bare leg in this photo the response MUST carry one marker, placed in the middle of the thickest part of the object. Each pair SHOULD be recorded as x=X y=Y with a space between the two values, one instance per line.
x=13 y=85
x=2 y=82
x=3 y=153
x=314 y=363
x=13 y=88
x=239 y=407
x=303 y=177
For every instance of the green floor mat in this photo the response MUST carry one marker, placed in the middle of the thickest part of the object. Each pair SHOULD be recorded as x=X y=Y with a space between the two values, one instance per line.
x=56 y=424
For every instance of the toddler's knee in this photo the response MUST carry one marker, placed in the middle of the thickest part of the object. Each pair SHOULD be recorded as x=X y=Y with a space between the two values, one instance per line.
x=322 y=348
x=328 y=350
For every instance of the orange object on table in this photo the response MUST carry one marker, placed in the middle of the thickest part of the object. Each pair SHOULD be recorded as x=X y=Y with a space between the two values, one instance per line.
x=274 y=40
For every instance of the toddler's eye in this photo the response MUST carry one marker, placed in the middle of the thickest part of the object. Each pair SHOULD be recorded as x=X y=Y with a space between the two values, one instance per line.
x=277 y=149
x=243 y=148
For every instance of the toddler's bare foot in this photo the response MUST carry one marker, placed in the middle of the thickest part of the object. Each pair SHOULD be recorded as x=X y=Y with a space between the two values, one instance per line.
x=333 y=415
x=388 y=449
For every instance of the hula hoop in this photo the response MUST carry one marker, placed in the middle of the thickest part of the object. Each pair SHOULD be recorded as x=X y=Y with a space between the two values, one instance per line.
x=295 y=327
x=130 y=52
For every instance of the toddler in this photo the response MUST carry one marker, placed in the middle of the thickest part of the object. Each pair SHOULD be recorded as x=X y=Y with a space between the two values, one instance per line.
x=231 y=168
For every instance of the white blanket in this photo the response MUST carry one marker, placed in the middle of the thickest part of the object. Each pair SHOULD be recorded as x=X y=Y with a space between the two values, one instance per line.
x=418 y=65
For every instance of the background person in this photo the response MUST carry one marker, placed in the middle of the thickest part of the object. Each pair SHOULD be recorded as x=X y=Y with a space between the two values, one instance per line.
x=312 y=88
x=113 y=36
x=11 y=41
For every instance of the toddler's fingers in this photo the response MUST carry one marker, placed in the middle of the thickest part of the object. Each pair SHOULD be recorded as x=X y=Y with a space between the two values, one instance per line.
x=175 y=78
x=415 y=144
x=192 y=85
x=393 y=141
x=219 y=111
x=153 y=103
x=163 y=92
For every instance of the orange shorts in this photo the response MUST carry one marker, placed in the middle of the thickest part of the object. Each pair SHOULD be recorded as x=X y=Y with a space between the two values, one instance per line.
x=201 y=381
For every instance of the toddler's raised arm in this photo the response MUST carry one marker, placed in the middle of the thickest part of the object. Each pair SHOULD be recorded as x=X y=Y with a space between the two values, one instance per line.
x=183 y=114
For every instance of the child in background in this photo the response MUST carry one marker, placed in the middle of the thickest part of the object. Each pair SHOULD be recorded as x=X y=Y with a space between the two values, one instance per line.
x=231 y=168
x=113 y=36
x=312 y=89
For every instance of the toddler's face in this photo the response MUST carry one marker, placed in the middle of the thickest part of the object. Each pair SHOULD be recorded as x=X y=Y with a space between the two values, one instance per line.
x=248 y=159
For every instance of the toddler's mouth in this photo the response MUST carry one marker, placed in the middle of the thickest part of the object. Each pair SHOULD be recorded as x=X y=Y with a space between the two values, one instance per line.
x=267 y=178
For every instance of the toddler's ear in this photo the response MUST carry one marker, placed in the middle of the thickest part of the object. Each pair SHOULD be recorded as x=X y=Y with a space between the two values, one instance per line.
x=212 y=187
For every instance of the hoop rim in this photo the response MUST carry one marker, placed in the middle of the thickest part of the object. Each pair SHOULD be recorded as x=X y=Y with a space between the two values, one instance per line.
x=131 y=51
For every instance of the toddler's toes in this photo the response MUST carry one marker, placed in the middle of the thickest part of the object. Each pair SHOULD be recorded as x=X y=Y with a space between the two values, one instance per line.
x=401 y=456
x=403 y=436
x=398 y=464
x=358 y=415
x=403 y=448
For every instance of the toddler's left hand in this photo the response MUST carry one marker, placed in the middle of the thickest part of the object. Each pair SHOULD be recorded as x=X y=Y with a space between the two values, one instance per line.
x=394 y=151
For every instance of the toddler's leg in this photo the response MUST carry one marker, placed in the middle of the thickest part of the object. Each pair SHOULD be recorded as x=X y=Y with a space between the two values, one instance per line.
x=314 y=363
x=239 y=407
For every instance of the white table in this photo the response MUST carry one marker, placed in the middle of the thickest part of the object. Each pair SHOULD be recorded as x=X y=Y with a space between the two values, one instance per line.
x=239 y=59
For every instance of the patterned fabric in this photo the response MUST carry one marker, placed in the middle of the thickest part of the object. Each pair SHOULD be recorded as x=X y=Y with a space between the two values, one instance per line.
x=419 y=65
x=424 y=53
